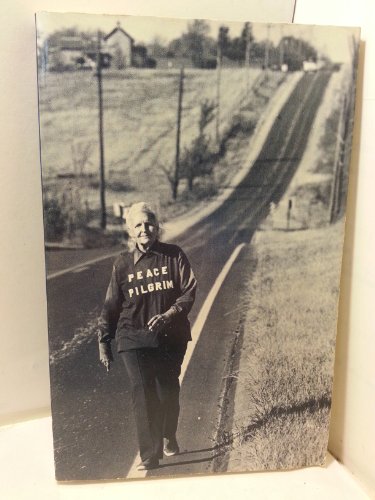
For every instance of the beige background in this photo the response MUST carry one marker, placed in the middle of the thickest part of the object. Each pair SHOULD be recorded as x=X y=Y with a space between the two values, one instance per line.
x=24 y=384
x=352 y=432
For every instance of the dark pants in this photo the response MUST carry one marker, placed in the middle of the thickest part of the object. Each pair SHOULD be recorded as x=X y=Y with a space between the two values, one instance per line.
x=153 y=374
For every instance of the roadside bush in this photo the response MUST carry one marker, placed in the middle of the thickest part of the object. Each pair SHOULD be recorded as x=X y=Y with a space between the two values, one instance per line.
x=312 y=201
x=315 y=192
x=204 y=188
x=55 y=221
x=241 y=124
x=198 y=160
x=208 y=63
x=151 y=63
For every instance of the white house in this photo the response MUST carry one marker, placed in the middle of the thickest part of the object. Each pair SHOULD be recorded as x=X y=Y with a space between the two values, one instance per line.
x=120 y=45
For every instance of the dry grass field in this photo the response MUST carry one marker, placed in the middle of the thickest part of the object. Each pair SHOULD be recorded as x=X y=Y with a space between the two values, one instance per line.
x=140 y=108
x=284 y=381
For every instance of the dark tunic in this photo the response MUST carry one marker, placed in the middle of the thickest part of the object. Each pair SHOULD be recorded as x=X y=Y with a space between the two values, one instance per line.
x=143 y=285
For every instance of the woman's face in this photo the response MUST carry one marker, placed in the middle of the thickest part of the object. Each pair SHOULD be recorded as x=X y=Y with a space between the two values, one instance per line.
x=143 y=229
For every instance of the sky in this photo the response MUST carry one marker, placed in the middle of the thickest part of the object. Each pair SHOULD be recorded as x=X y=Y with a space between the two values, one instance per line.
x=332 y=41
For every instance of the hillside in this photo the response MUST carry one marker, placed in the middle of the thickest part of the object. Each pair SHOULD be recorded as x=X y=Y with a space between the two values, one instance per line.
x=140 y=110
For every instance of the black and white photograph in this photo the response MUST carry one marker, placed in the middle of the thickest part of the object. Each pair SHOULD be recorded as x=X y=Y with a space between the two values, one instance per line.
x=194 y=177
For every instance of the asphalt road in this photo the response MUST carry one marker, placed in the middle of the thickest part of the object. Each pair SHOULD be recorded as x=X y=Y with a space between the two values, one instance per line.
x=93 y=423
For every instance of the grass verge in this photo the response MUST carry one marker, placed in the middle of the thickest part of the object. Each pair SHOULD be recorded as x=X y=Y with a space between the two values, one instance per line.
x=284 y=381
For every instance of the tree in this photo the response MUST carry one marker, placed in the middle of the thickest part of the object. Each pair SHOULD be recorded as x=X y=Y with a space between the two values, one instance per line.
x=177 y=48
x=236 y=48
x=119 y=57
x=296 y=50
x=223 y=41
x=195 y=40
x=195 y=43
x=199 y=159
x=55 y=221
x=158 y=47
x=55 y=61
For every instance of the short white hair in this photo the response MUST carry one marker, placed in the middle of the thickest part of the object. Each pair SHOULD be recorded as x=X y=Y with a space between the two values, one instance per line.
x=143 y=208
x=140 y=207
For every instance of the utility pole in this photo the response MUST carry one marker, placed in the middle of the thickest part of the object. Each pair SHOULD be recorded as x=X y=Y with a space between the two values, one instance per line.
x=281 y=47
x=299 y=52
x=247 y=57
x=218 y=84
x=178 y=135
x=267 y=51
x=103 y=220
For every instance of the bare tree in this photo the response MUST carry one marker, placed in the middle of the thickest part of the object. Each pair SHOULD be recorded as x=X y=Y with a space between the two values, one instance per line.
x=199 y=158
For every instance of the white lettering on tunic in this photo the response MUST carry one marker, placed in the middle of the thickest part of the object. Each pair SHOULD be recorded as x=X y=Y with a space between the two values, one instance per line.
x=150 y=273
x=151 y=287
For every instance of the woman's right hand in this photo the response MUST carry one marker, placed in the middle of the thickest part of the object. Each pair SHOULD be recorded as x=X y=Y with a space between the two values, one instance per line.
x=105 y=354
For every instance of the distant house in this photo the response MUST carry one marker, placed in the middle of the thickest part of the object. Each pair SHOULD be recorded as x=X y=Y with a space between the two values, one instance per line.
x=70 y=49
x=120 y=45
x=117 y=51
x=72 y=53
x=66 y=53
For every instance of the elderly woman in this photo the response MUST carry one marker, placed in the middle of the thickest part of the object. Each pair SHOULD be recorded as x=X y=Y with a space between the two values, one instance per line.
x=150 y=294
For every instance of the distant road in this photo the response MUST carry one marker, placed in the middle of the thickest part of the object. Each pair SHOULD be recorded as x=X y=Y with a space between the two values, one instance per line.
x=94 y=427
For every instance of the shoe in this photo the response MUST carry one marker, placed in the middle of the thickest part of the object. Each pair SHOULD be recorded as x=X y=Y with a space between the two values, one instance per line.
x=150 y=463
x=171 y=447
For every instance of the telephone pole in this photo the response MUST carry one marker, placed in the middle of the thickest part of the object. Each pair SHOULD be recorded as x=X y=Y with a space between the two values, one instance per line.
x=218 y=84
x=178 y=135
x=103 y=218
x=267 y=49
x=281 y=47
x=247 y=57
